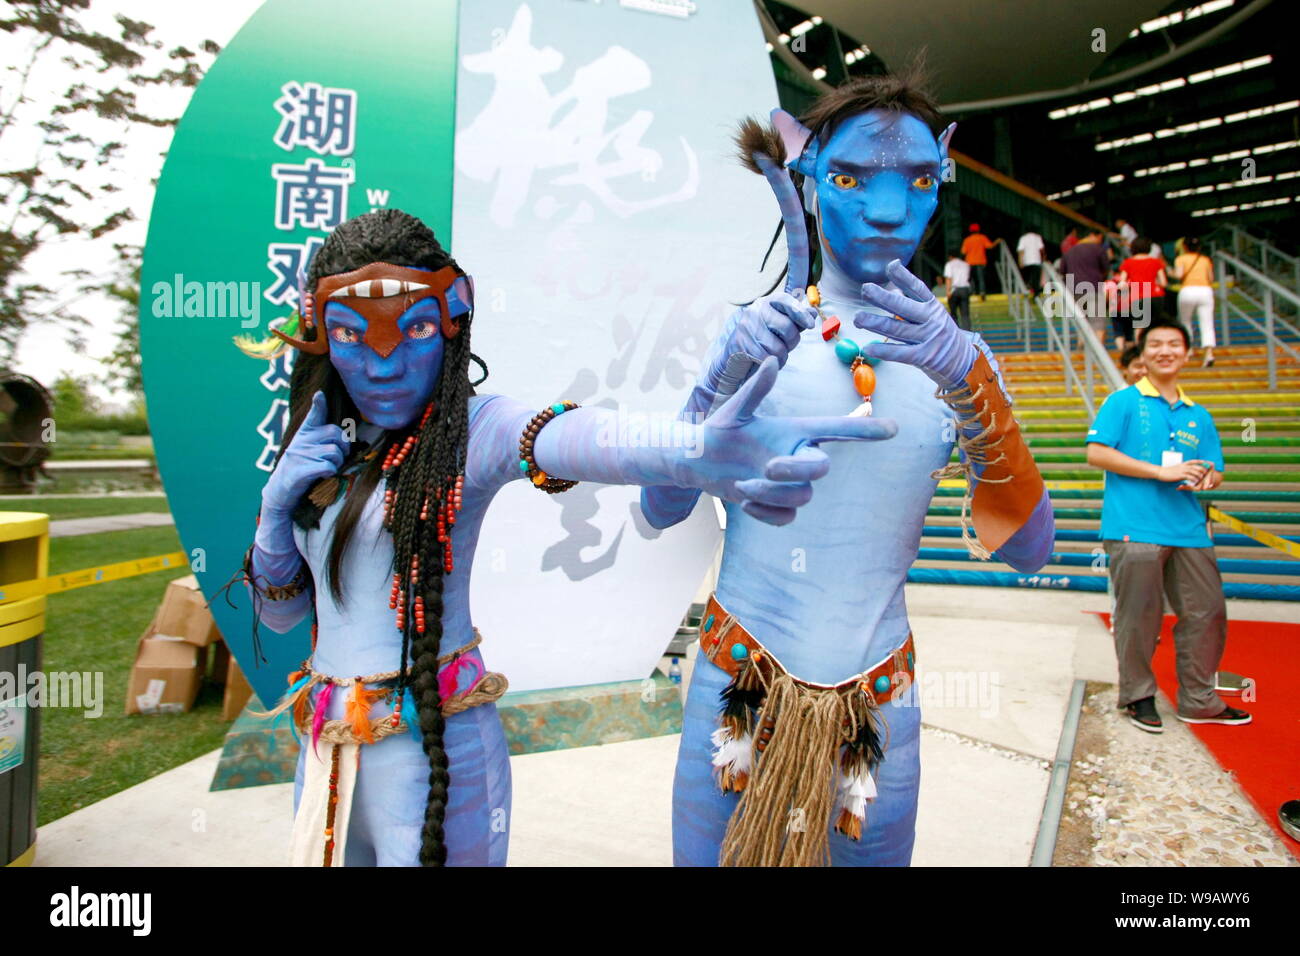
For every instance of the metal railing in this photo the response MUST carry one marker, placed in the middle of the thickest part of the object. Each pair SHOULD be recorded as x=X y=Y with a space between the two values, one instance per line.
x=1020 y=300
x=1270 y=292
x=1262 y=254
x=1058 y=303
x=1058 y=313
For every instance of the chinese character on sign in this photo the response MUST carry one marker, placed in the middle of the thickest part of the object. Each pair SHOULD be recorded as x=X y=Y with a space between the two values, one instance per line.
x=272 y=429
x=277 y=373
x=312 y=195
x=321 y=118
x=287 y=260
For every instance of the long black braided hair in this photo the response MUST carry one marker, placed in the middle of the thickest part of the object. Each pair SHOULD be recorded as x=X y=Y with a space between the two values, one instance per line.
x=421 y=488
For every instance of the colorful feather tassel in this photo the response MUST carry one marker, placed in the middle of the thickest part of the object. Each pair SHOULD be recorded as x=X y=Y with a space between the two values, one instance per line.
x=733 y=758
x=357 y=711
x=318 y=718
x=297 y=693
x=855 y=788
x=450 y=677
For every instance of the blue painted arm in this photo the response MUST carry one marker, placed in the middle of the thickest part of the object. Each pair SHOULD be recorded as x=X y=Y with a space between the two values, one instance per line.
x=767 y=326
x=316 y=451
x=275 y=560
x=764 y=464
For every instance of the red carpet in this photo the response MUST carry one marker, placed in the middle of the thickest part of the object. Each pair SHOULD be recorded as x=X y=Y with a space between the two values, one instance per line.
x=1264 y=754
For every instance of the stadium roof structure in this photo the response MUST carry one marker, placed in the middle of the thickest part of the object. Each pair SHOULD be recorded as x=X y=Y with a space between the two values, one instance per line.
x=1188 y=118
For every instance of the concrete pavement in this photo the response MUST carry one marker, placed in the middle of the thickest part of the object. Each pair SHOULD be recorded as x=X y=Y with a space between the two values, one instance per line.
x=995 y=667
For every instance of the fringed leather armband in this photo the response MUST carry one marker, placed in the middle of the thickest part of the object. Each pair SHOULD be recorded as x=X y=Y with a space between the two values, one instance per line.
x=1003 y=484
x=274 y=592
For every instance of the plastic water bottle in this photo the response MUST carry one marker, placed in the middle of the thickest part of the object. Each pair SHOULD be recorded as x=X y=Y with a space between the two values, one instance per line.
x=675 y=672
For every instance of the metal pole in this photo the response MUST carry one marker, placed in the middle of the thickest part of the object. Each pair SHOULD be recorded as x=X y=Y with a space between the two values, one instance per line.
x=1223 y=301
x=1066 y=360
x=1268 y=334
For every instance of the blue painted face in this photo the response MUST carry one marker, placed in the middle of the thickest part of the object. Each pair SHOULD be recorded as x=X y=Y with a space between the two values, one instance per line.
x=392 y=391
x=877 y=187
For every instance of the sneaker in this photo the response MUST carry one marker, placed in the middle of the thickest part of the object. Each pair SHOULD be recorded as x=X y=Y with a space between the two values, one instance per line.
x=1142 y=715
x=1229 y=715
x=1289 y=816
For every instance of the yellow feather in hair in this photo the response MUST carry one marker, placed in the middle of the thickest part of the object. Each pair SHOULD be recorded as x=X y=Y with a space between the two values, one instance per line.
x=266 y=349
x=271 y=347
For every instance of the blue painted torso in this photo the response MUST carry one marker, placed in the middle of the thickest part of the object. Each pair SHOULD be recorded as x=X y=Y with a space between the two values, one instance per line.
x=359 y=636
x=825 y=592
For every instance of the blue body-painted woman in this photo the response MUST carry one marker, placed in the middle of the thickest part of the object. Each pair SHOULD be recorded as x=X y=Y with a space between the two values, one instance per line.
x=389 y=465
x=824 y=593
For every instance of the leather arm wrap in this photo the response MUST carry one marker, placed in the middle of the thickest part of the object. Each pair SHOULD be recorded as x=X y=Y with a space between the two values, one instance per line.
x=1006 y=484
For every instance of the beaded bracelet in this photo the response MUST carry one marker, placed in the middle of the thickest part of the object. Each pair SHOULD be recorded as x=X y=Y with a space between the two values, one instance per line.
x=539 y=478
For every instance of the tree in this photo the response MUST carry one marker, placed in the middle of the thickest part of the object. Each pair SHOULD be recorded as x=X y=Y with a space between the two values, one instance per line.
x=123 y=364
x=67 y=185
x=73 y=398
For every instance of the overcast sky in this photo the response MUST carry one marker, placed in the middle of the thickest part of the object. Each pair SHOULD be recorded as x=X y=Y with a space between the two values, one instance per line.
x=44 y=353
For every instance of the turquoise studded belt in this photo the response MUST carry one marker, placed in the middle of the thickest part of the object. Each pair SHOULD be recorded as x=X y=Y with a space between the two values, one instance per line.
x=726 y=643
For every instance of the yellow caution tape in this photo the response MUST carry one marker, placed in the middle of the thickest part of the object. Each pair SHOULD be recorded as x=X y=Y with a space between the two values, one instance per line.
x=1076 y=485
x=55 y=583
x=1260 y=535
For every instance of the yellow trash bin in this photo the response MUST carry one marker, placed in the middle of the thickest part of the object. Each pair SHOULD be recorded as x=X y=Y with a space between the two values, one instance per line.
x=24 y=555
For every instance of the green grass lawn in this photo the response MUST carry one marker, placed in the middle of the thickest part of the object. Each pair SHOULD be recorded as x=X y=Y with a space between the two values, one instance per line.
x=59 y=508
x=96 y=629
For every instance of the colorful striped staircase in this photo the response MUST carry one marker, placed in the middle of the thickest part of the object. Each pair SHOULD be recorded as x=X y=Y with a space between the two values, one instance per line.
x=1260 y=432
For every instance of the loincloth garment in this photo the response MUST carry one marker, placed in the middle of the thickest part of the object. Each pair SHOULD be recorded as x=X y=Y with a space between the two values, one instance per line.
x=800 y=754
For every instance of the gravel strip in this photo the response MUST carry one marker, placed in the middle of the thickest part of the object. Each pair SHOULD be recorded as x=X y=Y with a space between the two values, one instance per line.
x=1140 y=799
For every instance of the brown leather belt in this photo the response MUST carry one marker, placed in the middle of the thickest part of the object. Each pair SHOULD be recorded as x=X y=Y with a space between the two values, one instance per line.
x=726 y=643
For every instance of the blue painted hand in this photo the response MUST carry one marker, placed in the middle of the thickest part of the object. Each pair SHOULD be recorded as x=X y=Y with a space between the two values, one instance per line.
x=767 y=464
x=930 y=339
x=317 y=451
x=769 y=326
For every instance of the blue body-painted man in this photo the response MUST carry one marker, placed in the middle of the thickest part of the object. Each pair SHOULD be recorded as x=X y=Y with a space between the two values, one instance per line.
x=404 y=759
x=823 y=595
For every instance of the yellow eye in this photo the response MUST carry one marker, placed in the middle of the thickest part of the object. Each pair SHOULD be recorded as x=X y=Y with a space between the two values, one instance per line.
x=923 y=182
x=422 y=330
x=341 y=333
x=844 y=181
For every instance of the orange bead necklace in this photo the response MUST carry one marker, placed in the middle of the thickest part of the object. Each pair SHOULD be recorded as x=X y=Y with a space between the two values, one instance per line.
x=848 y=352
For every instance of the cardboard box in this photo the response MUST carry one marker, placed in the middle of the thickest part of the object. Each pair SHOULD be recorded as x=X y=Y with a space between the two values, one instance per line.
x=166 y=676
x=225 y=670
x=184 y=613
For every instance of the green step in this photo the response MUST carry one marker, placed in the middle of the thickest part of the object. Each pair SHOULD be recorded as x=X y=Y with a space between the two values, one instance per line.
x=1094 y=514
x=1219 y=494
x=1235 y=458
x=1078 y=441
x=1209 y=401
x=1031 y=428
x=1248 y=477
x=1249 y=411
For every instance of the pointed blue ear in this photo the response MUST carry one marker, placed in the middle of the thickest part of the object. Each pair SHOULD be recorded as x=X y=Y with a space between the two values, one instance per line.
x=945 y=138
x=800 y=146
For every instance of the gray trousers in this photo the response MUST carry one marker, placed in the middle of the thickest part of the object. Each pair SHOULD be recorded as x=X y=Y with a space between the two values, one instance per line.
x=1139 y=574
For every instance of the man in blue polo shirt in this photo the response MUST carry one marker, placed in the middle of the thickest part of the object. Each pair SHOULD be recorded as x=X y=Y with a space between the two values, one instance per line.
x=1157 y=446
